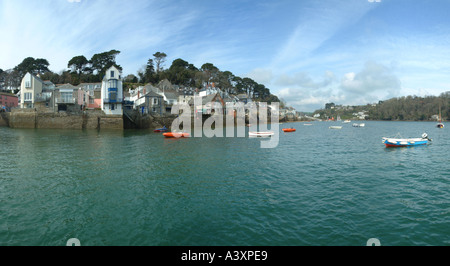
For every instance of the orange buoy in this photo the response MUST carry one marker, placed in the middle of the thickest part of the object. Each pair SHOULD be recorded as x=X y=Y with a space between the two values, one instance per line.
x=289 y=129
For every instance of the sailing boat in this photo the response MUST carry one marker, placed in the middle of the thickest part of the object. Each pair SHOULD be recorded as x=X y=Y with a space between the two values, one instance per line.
x=440 y=125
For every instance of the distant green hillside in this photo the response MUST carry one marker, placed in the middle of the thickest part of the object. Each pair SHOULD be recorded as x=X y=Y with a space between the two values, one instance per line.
x=409 y=108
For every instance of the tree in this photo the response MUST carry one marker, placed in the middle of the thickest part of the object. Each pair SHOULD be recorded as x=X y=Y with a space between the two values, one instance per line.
x=211 y=72
x=11 y=78
x=131 y=79
x=160 y=58
x=101 y=62
x=149 y=74
x=2 y=78
x=181 y=72
x=33 y=66
x=78 y=64
x=225 y=81
x=41 y=65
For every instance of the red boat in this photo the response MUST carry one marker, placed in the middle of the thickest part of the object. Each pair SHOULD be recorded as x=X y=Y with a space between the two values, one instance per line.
x=176 y=135
x=289 y=129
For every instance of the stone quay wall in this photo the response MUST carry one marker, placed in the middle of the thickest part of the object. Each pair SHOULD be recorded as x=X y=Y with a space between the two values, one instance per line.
x=90 y=119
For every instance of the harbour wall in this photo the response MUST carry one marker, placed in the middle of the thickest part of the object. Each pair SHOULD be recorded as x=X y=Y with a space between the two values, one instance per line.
x=90 y=119
x=4 y=118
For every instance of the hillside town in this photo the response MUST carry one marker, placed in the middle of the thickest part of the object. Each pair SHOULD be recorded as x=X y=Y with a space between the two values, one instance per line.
x=110 y=97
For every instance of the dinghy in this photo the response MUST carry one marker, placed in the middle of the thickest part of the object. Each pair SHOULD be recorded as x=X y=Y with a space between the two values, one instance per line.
x=260 y=134
x=163 y=129
x=176 y=135
x=406 y=142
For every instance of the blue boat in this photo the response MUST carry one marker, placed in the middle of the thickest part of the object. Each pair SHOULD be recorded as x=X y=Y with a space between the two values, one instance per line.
x=408 y=142
x=163 y=129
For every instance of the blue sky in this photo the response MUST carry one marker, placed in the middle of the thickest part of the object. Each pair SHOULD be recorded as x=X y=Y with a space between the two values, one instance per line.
x=307 y=52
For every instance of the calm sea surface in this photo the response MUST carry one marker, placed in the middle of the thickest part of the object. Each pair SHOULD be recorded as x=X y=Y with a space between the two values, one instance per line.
x=318 y=187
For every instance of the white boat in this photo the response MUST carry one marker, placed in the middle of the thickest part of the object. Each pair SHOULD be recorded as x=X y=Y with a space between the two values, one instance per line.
x=359 y=125
x=346 y=121
x=260 y=134
x=335 y=127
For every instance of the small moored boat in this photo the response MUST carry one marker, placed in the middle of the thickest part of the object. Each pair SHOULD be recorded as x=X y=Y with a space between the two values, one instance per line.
x=289 y=129
x=176 y=135
x=406 y=142
x=163 y=129
x=440 y=124
x=260 y=134
x=335 y=127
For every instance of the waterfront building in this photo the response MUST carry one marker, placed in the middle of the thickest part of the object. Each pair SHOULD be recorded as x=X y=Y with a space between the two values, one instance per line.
x=89 y=95
x=207 y=105
x=112 y=92
x=35 y=92
x=65 y=98
x=30 y=87
x=8 y=101
x=147 y=100
x=245 y=98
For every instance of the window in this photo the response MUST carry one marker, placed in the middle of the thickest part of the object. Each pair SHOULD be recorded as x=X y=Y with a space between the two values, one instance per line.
x=66 y=97
x=112 y=107
x=113 y=83
x=112 y=74
x=27 y=84
x=112 y=94
x=28 y=96
x=155 y=101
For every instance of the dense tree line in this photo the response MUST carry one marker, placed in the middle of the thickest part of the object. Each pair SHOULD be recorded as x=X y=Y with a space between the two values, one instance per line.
x=412 y=108
x=406 y=108
x=180 y=72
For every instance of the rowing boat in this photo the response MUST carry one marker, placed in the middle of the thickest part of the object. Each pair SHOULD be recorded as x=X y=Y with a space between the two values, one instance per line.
x=406 y=142
x=260 y=134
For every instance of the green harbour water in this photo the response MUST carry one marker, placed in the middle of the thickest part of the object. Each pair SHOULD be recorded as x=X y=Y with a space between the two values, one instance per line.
x=318 y=187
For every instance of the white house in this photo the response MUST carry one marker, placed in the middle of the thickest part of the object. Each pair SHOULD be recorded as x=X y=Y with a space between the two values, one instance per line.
x=112 y=92
x=30 y=88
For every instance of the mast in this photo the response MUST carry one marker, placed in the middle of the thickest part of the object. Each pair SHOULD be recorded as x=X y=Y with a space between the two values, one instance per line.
x=440 y=117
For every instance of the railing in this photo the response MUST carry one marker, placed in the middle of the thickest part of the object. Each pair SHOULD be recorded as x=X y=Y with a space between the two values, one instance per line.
x=65 y=100
x=42 y=98
x=117 y=100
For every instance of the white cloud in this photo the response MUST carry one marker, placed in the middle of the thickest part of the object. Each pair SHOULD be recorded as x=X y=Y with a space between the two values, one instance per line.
x=260 y=75
x=374 y=81
x=303 y=80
